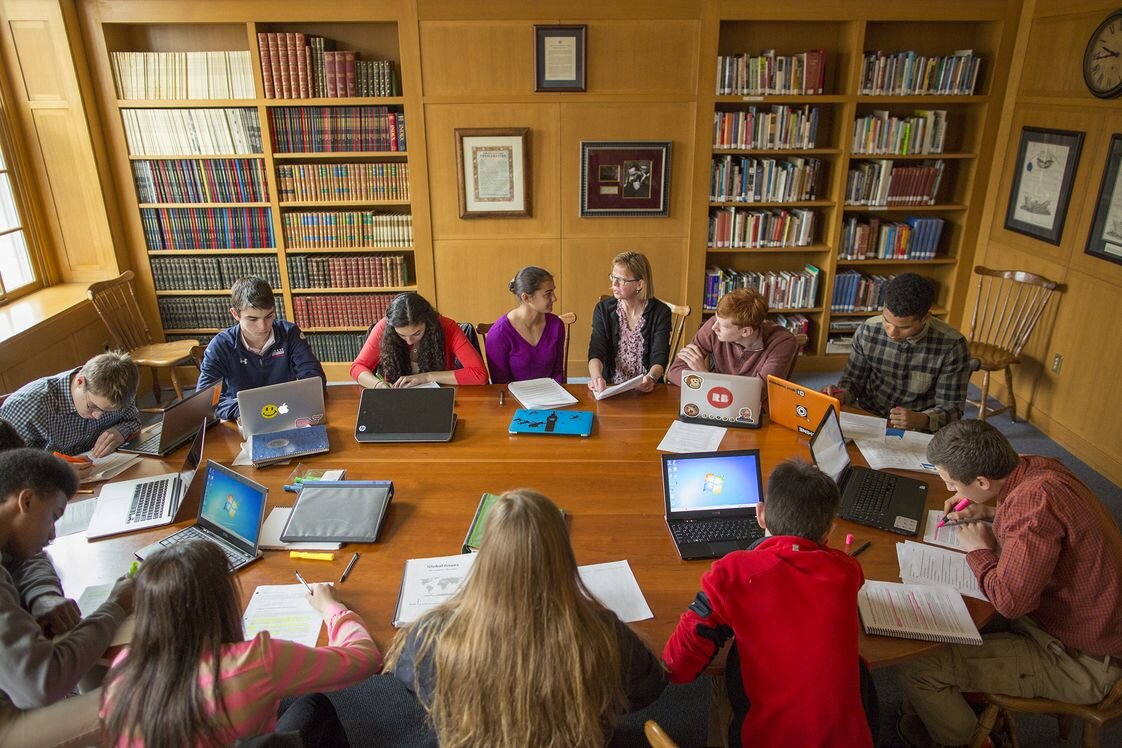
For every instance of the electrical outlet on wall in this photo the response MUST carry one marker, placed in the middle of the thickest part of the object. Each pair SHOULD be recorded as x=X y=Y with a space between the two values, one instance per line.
x=1057 y=363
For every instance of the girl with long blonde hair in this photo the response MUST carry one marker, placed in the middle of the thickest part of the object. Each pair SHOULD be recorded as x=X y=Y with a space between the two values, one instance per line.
x=523 y=655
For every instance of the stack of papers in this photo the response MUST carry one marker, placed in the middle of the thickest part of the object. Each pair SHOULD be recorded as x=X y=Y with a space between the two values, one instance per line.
x=109 y=466
x=541 y=394
x=691 y=437
x=925 y=564
x=898 y=450
x=617 y=389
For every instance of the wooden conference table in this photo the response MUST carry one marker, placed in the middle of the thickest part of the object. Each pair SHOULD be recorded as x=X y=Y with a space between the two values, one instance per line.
x=610 y=484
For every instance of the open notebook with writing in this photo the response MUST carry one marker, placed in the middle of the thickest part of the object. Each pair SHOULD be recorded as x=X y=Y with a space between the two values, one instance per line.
x=916 y=611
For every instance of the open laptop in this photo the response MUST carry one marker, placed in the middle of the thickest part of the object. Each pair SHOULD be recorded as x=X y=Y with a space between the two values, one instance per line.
x=721 y=399
x=868 y=497
x=278 y=407
x=177 y=424
x=795 y=406
x=230 y=516
x=711 y=501
x=146 y=502
x=406 y=415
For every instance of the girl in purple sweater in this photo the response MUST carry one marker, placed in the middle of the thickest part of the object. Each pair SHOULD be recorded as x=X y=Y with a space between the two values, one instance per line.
x=528 y=342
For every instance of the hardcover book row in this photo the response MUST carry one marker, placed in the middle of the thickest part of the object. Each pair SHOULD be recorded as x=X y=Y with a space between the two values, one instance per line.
x=347 y=271
x=343 y=310
x=344 y=229
x=210 y=273
x=183 y=75
x=195 y=312
x=233 y=180
x=295 y=65
x=207 y=228
x=783 y=289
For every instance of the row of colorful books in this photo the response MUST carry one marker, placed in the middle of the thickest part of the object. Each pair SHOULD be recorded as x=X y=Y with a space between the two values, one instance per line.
x=910 y=73
x=212 y=180
x=211 y=273
x=884 y=133
x=207 y=228
x=780 y=127
x=857 y=292
x=295 y=65
x=192 y=132
x=200 y=312
x=782 y=289
x=347 y=271
x=342 y=310
x=794 y=322
x=328 y=182
x=743 y=227
x=346 y=229
x=764 y=180
x=309 y=129
x=769 y=73
x=183 y=75
x=336 y=346
x=914 y=238
x=882 y=184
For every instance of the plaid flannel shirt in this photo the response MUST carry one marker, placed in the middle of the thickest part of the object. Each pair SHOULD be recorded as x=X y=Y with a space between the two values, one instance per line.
x=927 y=373
x=44 y=414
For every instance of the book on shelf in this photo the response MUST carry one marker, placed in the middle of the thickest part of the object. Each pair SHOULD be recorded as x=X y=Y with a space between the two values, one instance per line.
x=882 y=133
x=782 y=289
x=234 y=180
x=857 y=292
x=211 y=273
x=769 y=73
x=841 y=344
x=340 y=310
x=207 y=228
x=883 y=184
x=779 y=127
x=750 y=179
x=745 y=227
x=192 y=132
x=295 y=65
x=201 y=312
x=183 y=75
x=347 y=271
x=341 y=182
x=337 y=129
x=914 y=238
x=909 y=73
x=916 y=611
x=336 y=346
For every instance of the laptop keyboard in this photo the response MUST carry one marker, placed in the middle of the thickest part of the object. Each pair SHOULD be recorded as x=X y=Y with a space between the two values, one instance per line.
x=717 y=530
x=151 y=445
x=871 y=499
x=148 y=500
x=236 y=558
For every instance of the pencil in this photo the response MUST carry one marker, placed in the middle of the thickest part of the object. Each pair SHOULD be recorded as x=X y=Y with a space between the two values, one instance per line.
x=861 y=548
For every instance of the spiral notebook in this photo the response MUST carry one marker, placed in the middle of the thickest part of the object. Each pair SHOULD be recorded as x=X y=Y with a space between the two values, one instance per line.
x=916 y=611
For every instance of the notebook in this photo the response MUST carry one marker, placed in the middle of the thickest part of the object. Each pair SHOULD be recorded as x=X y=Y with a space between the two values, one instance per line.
x=916 y=611
x=178 y=423
x=541 y=393
x=717 y=399
x=277 y=407
x=474 y=537
x=406 y=415
x=146 y=502
x=279 y=446
x=797 y=407
x=561 y=422
x=868 y=497
x=711 y=500
x=229 y=516
x=346 y=511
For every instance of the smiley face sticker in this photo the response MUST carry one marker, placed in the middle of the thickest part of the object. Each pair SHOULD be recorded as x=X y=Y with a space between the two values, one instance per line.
x=269 y=410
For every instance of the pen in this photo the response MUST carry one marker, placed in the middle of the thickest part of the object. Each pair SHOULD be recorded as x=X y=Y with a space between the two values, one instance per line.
x=500 y=397
x=957 y=508
x=87 y=491
x=346 y=571
x=861 y=548
x=309 y=589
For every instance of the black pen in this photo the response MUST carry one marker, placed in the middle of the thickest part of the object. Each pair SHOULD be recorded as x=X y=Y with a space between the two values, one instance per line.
x=346 y=571
x=861 y=548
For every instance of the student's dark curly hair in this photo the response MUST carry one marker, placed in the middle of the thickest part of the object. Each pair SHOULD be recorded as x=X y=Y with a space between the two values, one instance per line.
x=406 y=310
x=909 y=295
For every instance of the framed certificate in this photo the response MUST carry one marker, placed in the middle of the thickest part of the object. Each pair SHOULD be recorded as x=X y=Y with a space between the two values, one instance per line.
x=494 y=172
x=560 y=58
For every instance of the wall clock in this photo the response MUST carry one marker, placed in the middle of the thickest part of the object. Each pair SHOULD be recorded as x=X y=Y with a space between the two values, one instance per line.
x=1102 y=61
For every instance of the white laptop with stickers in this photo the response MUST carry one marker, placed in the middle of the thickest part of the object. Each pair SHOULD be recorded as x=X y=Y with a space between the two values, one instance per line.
x=721 y=399
x=277 y=407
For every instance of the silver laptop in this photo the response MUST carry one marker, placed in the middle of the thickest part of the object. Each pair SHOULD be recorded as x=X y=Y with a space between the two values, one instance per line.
x=145 y=502
x=277 y=407
x=178 y=424
x=230 y=516
x=721 y=399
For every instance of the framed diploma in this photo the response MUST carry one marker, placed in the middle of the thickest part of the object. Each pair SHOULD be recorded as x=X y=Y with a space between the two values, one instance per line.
x=1046 y=163
x=494 y=173
x=1105 y=239
x=560 y=58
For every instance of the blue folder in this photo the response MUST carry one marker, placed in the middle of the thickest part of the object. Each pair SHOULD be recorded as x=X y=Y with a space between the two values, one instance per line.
x=565 y=422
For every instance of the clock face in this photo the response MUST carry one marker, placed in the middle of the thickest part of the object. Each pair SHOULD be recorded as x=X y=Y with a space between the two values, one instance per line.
x=1102 y=62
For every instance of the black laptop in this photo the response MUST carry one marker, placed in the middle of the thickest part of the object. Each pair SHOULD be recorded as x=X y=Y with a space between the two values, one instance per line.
x=868 y=497
x=178 y=423
x=711 y=500
x=422 y=414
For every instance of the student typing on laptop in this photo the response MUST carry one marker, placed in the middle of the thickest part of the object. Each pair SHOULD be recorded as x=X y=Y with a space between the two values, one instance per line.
x=259 y=350
x=739 y=340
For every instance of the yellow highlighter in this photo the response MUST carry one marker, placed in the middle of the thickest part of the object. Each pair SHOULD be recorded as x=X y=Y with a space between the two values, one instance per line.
x=312 y=556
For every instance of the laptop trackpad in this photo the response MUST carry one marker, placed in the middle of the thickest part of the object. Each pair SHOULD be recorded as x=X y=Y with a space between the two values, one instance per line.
x=721 y=549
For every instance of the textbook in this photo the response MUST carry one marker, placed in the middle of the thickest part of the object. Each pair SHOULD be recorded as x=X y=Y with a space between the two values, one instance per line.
x=278 y=446
x=565 y=422
x=346 y=511
x=933 y=613
x=475 y=530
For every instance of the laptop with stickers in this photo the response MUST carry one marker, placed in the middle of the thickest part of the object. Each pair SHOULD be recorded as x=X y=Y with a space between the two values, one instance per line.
x=278 y=407
x=717 y=399
x=797 y=407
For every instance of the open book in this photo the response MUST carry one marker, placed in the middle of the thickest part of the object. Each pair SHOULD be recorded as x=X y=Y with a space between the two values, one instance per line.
x=916 y=611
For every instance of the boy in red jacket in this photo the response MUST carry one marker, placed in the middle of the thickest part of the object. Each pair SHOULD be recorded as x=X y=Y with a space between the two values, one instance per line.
x=793 y=674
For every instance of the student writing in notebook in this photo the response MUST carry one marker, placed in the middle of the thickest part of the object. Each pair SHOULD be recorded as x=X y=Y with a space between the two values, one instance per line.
x=789 y=604
x=1052 y=566
x=522 y=655
x=413 y=345
x=198 y=682
x=528 y=342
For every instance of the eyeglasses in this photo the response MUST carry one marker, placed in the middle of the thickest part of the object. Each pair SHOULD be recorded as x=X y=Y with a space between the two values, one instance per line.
x=620 y=281
x=91 y=408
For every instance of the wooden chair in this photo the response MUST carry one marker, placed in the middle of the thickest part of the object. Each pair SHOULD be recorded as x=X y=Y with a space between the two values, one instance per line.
x=1093 y=716
x=800 y=342
x=116 y=304
x=656 y=736
x=569 y=318
x=678 y=316
x=1007 y=308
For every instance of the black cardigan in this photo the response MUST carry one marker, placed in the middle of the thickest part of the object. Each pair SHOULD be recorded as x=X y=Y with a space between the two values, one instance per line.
x=605 y=334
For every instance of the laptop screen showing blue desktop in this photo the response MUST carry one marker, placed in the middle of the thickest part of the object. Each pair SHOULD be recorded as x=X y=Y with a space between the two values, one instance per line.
x=712 y=481
x=232 y=505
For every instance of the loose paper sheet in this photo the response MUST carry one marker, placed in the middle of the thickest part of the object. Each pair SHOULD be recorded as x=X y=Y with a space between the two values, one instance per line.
x=926 y=564
x=617 y=389
x=283 y=611
x=541 y=394
x=946 y=536
x=905 y=452
x=91 y=600
x=691 y=437
x=615 y=586
x=857 y=426
x=76 y=518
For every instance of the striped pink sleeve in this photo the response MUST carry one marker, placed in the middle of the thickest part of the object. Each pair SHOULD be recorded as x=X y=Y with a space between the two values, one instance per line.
x=349 y=657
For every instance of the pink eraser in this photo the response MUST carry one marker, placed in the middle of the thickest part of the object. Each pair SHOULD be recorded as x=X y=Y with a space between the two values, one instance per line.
x=849 y=539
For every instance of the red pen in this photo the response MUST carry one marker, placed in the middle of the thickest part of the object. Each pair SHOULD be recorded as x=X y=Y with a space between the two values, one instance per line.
x=75 y=460
x=957 y=508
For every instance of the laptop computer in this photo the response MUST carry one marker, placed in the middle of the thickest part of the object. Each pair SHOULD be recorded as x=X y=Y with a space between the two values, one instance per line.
x=795 y=406
x=721 y=399
x=868 y=497
x=561 y=422
x=229 y=516
x=178 y=423
x=146 y=502
x=406 y=415
x=711 y=501
x=278 y=407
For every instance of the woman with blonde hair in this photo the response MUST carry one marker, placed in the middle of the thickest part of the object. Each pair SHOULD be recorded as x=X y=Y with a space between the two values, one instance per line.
x=522 y=654
x=630 y=329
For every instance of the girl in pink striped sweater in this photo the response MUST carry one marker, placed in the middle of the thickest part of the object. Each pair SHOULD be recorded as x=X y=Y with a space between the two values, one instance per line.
x=189 y=677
